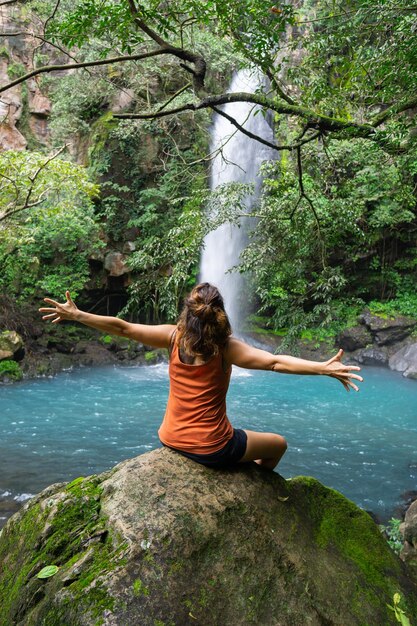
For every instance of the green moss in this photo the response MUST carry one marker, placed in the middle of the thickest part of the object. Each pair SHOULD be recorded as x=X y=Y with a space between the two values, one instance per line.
x=4 y=52
x=151 y=356
x=76 y=528
x=15 y=70
x=139 y=589
x=338 y=523
x=11 y=370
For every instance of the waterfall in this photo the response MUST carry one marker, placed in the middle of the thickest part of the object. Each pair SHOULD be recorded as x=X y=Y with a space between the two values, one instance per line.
x=238 y=160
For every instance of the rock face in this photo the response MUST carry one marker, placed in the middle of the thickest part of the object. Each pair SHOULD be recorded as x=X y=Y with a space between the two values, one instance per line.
x=354 y=338
x=11 y=346
x=160 y=540
x=405 y=361
x=386 y=331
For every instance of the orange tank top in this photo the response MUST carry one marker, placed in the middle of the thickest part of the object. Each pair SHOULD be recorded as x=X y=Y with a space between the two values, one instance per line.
x=195 y=419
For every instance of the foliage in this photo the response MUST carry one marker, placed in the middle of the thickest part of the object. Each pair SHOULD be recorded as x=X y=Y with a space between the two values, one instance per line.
x=320 y=264
x=399 y=613
x=47 y=571
x=45 y=244
x=335 y=228
x=405 y=303
x=164 y=266
x=393 y=534
x=10 y=369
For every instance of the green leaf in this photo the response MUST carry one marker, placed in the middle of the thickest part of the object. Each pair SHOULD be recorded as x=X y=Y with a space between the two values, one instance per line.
x=404 y=620
x=48 y=571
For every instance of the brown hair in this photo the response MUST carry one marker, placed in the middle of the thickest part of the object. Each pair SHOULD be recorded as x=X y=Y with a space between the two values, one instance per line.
x=203 y=326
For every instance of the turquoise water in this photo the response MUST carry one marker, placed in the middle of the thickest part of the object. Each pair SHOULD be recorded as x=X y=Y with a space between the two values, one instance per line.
x=78 y=423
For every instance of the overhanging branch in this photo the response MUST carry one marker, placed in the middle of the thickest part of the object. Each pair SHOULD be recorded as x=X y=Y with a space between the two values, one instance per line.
x=274 y=146
x=315 y=120
x=198 y=72
x=69 y=66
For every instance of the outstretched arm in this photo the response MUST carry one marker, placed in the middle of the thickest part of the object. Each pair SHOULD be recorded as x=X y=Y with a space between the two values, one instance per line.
x=157 y=336
x=241 y=354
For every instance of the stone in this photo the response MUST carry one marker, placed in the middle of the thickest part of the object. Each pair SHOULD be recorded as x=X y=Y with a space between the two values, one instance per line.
x=129 y=246
x=405 y=361
x=372 y=356
x=40 y=105
x=40 y=129
x=11 y=138
x=122 y=100
x=409 y=532
x=354 y=338
x=11 y=346
x=160 y=539
x=115 y=264
x=386 y=330
x=11 y=108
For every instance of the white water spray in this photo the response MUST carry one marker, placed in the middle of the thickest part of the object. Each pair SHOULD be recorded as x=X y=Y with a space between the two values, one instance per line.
x=239 y=161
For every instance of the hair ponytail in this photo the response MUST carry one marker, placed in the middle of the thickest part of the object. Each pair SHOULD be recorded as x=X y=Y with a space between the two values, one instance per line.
x=203 y=326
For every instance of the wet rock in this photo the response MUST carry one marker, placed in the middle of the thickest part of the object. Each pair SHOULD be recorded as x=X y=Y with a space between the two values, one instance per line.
x=386 y=331
x=407 y=499
x=405 y=361
x=354 y=338
x=372 y=356
x=11 y=346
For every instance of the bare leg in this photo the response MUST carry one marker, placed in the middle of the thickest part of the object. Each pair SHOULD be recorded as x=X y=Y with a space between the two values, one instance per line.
x=266 y=449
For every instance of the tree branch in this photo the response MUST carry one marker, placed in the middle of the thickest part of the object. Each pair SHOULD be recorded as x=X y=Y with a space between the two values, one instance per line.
x=309 y=201
x=199 y=71
x=315 y=120
x=393 y=110
x=260 y=139
x=70 y=66
x=26 y=204
x=176 y=94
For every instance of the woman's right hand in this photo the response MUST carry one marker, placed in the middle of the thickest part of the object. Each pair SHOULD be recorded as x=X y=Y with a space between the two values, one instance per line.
x=65 y=311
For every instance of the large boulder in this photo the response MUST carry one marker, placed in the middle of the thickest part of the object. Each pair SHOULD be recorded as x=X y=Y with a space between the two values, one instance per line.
x=115 y=263
x=163 y=540
x=354 y=338
x=11 y=346
x=386 y=330
x=405 y=361
x=372 y=356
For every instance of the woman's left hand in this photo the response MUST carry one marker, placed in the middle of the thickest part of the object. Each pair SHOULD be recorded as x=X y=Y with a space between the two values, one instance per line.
x=336 y=369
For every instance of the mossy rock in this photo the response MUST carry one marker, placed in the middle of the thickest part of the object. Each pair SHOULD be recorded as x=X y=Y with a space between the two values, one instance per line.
x=11 y=346
x=163 y=540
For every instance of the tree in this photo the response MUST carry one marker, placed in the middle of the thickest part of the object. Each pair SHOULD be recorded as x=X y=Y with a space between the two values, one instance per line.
x=337 y=71
x=354 y=78
x=47 y=224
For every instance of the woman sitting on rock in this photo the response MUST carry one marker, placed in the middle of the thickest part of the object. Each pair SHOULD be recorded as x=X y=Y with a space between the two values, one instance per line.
x=202 y=351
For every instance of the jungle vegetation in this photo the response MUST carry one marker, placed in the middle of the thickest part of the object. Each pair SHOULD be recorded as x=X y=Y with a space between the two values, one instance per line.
x=336 y=221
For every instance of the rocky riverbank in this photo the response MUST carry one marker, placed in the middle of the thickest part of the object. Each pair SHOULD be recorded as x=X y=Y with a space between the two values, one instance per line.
x=375 y=340
x=46 y=350
x=66 y=347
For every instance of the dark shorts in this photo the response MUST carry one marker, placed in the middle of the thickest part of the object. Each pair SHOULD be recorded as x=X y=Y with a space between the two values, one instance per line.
x=232 y=452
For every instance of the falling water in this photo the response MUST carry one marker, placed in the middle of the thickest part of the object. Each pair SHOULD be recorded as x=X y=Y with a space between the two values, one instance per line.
x=239 y=161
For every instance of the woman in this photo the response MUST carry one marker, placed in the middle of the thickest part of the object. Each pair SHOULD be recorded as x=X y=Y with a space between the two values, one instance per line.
x=202 y=352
